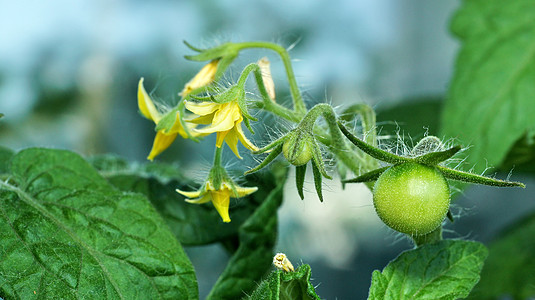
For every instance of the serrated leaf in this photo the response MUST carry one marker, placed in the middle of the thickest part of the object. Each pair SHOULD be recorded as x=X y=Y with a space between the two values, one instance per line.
x=257 y=237
x=66 y=233
x=280 y=285
x=509 y=268
x=443 y=270
x=490 y=101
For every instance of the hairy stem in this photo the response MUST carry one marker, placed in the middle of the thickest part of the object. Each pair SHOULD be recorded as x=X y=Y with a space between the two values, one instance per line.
x=217 y=156
x=299 y=104
x=433 y=236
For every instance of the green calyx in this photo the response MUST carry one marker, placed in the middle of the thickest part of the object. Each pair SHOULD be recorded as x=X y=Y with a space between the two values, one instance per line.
x=433 y=159
x=235 y=93
x=218 y=174
x=226 y=53
x=170 y=118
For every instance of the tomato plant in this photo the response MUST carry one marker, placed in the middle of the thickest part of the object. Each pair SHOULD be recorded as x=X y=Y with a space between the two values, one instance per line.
x=103 y=227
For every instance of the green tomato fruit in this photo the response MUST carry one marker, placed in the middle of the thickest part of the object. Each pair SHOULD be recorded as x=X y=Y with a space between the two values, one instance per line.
x=412 y=198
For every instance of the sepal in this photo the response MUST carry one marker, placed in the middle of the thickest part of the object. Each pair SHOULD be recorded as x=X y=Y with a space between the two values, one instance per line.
x=225 y=53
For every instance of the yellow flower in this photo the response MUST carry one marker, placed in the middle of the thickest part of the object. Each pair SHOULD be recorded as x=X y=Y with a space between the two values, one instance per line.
x=205 y=76
x=163 y=138
x=220 y=198
x=225 y=119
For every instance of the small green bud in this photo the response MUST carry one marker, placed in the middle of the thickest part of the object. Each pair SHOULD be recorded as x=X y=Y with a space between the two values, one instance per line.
x=298 y=147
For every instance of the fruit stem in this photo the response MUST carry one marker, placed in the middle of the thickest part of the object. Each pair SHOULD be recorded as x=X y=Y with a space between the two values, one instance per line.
x=433 y=236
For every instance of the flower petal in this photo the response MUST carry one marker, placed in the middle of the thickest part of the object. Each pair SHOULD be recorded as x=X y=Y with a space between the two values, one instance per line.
x=220 y=138
x=207 y=119
x=205 y=76
x=243 y=139
x=244 y=191
x=224 y=118
x=205 y=198
x=145 y=104
x=202 y=108
x=162 y=141
x=232 y=141
x=194 y=194
x=221 y=201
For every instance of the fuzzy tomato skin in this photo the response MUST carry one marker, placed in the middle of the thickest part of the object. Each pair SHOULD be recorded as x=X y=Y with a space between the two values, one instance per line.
x=412 y=198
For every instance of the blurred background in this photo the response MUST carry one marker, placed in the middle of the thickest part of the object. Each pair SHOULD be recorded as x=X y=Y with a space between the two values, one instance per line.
x=68 y=79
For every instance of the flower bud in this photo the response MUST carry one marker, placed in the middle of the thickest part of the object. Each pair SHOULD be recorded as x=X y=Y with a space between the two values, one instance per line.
x=205 y=77
x=264 y=65
x=298 y=148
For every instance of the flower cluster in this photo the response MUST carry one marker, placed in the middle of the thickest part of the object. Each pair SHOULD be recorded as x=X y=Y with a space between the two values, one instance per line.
x=222 y=114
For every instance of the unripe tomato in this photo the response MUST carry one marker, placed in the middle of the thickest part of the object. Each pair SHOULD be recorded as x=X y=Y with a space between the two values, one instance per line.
x=412 y=198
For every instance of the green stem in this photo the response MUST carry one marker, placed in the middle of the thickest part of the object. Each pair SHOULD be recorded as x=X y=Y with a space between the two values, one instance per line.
x=267 y=103
x=272 y=106
x=433 y=236
x=299 y=104
x=245 y=73
x=217 y=156
x=217 y=173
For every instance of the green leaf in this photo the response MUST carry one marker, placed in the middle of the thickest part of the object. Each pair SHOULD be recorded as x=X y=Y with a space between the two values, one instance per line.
x=66 y=234
x=286 y=286
x=521 y=157
x=413 y=116
x=192 y=224
x=257 y=237
x=254 y=218
x=509 y=268
x=444 y=270
x=5 y=156
x=112 y=166
x=490 y=101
